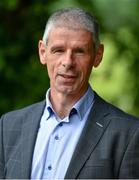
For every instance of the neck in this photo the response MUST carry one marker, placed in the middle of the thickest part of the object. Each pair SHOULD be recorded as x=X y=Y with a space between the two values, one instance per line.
x=63 y=103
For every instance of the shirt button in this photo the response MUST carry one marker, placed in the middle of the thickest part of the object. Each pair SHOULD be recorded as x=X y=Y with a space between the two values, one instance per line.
x=49 y=167
x=61 y=124
x=56 y=137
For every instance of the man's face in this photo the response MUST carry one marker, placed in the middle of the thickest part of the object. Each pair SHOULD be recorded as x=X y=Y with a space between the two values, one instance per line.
x=69 y=56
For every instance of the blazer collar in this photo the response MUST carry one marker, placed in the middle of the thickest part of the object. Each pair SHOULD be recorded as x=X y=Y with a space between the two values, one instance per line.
x=92 y=132
x=29 y=134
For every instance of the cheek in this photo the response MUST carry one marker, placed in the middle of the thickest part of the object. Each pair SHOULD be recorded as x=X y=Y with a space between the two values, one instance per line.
x=86 y=73
x=50 y=69
x=86 y=69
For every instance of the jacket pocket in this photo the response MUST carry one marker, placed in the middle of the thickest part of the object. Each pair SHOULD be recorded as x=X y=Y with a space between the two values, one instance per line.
x=98 y=162
x=97 y=169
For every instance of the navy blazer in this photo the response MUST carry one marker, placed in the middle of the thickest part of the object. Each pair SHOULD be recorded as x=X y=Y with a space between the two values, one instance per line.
x=108 y=146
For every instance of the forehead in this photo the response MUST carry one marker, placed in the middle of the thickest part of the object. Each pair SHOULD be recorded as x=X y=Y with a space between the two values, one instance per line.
x=69 y=35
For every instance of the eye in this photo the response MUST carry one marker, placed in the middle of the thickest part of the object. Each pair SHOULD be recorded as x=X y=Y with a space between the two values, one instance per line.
x=79 y=51
x=57 y=50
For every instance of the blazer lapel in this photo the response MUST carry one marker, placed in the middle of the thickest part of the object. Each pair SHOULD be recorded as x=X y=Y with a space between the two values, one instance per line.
x=91 y=135
x=29 y=134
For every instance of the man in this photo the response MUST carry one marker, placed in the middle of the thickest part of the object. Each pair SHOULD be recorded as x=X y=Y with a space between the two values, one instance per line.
x=73 y=133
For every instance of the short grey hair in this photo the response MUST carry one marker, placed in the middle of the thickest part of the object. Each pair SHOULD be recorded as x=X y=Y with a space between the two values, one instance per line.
x=74 y=18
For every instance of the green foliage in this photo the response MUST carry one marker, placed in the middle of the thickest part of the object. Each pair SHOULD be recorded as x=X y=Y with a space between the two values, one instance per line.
x=119 y=82
x=24 y=81
x=21 y=76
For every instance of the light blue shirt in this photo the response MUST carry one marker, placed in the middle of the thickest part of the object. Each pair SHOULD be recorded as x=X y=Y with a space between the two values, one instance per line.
x=57 y=138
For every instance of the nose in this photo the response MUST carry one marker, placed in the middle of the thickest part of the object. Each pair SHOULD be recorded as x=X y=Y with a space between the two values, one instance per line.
x=68 y=60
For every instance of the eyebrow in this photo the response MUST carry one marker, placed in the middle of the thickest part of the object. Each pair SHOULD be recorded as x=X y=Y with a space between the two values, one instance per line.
x=56 y=47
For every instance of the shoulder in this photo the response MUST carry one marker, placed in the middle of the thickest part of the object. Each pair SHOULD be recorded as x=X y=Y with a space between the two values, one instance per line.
x=118 y=126
x=20 y=114
x=117 y=116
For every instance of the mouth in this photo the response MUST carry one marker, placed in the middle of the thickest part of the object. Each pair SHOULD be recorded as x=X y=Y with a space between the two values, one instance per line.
x=68 y=78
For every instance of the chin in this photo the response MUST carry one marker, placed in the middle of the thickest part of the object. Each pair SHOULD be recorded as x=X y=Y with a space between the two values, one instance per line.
x=67 y=90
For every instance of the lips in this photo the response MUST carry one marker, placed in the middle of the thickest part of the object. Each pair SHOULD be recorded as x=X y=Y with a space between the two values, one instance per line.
x=67 y=77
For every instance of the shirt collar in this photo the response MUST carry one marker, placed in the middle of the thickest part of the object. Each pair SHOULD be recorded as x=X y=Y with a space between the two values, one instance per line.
x=84 y=102
x=48 y=109
x=80 y=107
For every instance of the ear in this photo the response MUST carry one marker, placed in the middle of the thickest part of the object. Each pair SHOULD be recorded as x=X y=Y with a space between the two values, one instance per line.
x=42 y=52
x=99 y=55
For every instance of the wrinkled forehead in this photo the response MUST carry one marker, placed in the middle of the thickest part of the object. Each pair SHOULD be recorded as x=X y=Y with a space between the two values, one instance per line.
x=71 y=31
x=69 y=36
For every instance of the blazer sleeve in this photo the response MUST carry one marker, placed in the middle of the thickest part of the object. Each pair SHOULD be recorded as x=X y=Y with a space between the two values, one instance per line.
x=1 y=150
x=130 y=163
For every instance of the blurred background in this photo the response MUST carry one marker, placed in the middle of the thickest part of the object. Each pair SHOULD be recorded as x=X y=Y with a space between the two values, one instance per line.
x=24 y=81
